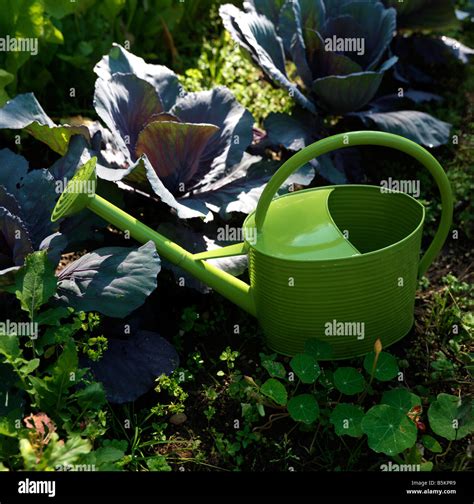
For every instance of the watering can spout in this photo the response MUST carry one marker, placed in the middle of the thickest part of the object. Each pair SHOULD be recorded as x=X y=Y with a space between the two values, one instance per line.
x=80 y=194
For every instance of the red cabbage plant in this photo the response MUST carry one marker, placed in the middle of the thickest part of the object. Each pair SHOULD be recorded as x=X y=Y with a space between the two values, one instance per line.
x=189 y=149
x=331 y=57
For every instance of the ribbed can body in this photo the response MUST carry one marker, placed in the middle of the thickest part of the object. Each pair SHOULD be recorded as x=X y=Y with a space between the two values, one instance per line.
x=350 y=302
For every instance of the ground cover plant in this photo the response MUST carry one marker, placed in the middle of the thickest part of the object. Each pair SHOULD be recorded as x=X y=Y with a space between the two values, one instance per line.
x=113 y=359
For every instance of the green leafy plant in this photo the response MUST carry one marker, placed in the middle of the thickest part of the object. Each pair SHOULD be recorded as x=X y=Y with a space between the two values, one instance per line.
x=228 y=356
x=348 y=381
x=221 y=63
x=391 y=427
x=347 y=420
x=172 y=386
x=28 y=20
x=276 y=391
x=388 y=430
x=41 y=369
x=43 y=450
x=303 y=408
x=72 y=35
x=451 y=417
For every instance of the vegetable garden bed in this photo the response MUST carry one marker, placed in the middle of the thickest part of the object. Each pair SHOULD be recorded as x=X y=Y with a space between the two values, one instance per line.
x=112 y=358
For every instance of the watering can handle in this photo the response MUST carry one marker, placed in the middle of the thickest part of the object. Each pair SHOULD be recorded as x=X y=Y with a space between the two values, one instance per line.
x=368 y=138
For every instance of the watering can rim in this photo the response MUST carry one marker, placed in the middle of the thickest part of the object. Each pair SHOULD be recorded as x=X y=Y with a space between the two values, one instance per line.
x=249 y=246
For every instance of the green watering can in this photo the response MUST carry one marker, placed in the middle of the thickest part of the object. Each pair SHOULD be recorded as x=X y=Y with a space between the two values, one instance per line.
x=338 y=264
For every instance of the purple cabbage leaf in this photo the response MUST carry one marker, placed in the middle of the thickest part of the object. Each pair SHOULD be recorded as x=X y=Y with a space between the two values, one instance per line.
x=26 y=200
x=25 y=113
x=130 y=366
x=175 y=142
x=424 y=14
x=112 y=280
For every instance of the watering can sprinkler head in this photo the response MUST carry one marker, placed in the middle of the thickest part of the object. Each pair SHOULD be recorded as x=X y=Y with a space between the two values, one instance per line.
x=304 y=271
x=78 y=192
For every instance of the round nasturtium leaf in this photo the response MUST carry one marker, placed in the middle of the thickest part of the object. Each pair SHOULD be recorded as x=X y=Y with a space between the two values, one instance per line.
x=305 y=367
x=401 y=398
x=348 y=380
x=451 y=417
x=318 y=349
x=431 y=444
x=347 y=419
x=275 y=390
x=388 y=430
x=275 y=369
x=386 y=368
x=303 y=408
